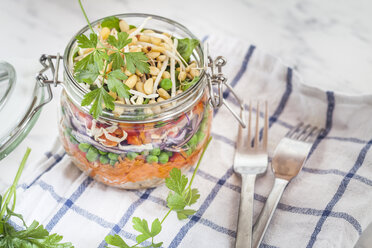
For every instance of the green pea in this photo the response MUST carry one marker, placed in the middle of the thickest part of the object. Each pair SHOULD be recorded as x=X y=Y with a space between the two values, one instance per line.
x=170 y=154
x=102 y=152
x=113 y=156
x=193 y=141
x=132 y=155
x=155 y=151
x=151 y=159
x=84 y=147
x=166 y=84
x=113 y=162
x=104 y=160
x=92 y=154
x=163 y=157
x=145 y=153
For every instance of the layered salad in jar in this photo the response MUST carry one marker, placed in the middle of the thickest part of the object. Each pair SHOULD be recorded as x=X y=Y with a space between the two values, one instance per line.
x=121 y=66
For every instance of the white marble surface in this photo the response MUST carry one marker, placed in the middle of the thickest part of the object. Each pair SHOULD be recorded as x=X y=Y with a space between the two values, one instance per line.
x=329 y=43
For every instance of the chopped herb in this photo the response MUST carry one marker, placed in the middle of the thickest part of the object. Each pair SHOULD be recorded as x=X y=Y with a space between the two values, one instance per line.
x=111 y=22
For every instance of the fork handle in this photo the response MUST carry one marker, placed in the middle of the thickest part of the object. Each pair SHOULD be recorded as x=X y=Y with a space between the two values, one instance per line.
x=245 y=219
x=268 y=210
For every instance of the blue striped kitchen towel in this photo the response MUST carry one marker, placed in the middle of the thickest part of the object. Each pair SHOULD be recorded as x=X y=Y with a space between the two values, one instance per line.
x=327 y=205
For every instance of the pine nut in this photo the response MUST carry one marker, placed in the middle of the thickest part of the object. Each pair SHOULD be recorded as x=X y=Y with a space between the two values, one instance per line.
x=139 y=100
x=178 y=69
x=179 y=92
x=160 y=99
x=154 y=71
x=134 y=41
x=105 y=32
x=152 y=55
x=192 y=65
x=124 y=27
x=148 y=31
x=182 y=76
x=152 y=101
x=144 y=38
x=138 y=73
x=155 y=40
x=166 y=74
x=163 y=93
x=149 y=86
x=140 y=87
x=109 y=67
x=188 y=69
x=135 y=49
x=158 y=49
x=162 y=58
x=159 y=65
x=131 y=81
x=194 y=73
x=113 y=94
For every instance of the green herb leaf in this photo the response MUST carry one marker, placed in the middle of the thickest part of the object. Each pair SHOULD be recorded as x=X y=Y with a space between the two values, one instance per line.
x=143 y=227
x=85 y=42
x=88 y=75
x=176 y=201
x=183 y=214
x=115 y=83
x=186 y=85
x=117 y=60
x=176 y=181
x=99 y=57
x=116 y=241
x=155 y=227
x=137 y=60
x=192 y=196
x=83 y=64
x=186 y=47
x=98 y=96
x=111 y=22
x=121 y=42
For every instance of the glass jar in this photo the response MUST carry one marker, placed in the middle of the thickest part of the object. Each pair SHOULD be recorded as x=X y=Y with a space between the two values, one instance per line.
x=136 y=146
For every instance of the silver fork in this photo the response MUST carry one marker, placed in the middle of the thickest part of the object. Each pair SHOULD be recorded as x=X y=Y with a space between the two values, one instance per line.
x=289 y=158
x=250 y=161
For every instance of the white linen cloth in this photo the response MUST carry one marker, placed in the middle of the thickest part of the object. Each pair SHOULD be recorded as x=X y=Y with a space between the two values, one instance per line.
x=327 y=205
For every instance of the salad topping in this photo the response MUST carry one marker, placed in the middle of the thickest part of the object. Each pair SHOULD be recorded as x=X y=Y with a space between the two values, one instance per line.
x=123 y=64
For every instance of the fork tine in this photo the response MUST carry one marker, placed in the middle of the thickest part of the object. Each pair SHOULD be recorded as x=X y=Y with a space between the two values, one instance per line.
x=266 y=127
x=240 y=141
x=302 y=132
x=257 y=133
x=293 y=131
x=314 y=135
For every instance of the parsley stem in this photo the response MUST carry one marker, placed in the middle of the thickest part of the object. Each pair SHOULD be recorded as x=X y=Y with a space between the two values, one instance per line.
x=170 y=210
x=13 y=188
x=85 y=15
x=200 y=159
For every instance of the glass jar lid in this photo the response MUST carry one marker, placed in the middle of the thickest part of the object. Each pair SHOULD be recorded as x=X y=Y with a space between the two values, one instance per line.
x=19 y=102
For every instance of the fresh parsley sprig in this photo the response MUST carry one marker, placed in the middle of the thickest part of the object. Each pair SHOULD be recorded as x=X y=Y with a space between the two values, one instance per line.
x=94 y=65
x=33 y=236
x=180 y=196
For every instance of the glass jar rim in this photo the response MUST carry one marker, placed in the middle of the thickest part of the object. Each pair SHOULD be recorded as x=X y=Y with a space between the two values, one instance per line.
x=109 y=115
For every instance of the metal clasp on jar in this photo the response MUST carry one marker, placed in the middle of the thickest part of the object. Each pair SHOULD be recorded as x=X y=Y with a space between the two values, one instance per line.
x=42 y=78
x=216 y=82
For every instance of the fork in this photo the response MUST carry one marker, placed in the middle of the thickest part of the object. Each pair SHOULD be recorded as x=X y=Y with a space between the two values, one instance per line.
x=251 y=160
x=289 y=158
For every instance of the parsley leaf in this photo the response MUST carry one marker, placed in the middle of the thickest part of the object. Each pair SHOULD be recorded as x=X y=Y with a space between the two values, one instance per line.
x=143 y=227
x=183 y=214
x=98 y=96
x=121 y=42
x=117 y=60
x=186 y=47
x=176 y=201
x=99 y=57
x=176 y=181
x=115 y=83
x=83 y=64
x=137 y=60
x=116 y=241
x=84 y=42
x=191 y=196
x=88 y=75
x=111 y=22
